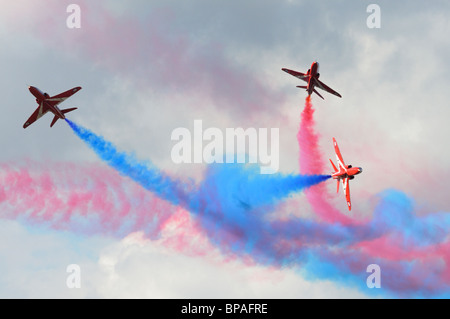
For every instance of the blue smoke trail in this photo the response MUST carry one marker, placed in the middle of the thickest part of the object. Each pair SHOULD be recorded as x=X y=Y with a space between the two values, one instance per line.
x=237 y=185
x=144 y=173
x=233 y=202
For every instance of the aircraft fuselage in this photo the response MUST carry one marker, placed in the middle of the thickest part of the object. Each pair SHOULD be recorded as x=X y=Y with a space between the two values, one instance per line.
x=351 y=171
x=313 y=75
x=41 y=99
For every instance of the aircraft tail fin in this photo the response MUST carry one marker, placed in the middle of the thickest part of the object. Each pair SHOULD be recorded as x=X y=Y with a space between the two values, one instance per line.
x=334 y=167
x=318 y=94
x=68 y=110
x=54 y=120
x=335 y=170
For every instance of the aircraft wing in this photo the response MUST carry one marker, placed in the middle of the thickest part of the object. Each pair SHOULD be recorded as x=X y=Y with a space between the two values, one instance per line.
x=346 y=187
x=299 y=75
x=57 y=99
x=339 y=158
x=37 y=114
x=326 y=88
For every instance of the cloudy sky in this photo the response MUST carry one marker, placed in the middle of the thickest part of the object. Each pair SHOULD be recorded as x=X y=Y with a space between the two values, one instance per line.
x=153 y=66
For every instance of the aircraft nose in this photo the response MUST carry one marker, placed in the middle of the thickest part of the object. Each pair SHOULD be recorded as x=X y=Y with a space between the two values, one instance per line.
x=360 y=169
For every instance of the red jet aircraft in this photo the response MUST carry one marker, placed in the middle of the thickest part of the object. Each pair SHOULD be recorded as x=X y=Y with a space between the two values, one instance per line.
x=312 y=78
x=47 y=103
x=344 y=173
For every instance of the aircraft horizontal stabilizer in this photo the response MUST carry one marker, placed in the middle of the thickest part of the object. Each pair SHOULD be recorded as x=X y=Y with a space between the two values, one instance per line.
x=54 y=120
x=334 y=167
x=68 y=110
x=318 y=94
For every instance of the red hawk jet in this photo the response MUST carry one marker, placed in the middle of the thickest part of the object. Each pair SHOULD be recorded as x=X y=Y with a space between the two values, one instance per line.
x=312 y=78
x=344 y=173
x=49 y=103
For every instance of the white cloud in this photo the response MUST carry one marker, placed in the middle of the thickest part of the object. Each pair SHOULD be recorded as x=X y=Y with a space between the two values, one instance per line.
x=134 y=267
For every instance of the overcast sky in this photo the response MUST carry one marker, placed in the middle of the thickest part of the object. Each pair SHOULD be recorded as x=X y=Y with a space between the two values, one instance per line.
x=153 y=66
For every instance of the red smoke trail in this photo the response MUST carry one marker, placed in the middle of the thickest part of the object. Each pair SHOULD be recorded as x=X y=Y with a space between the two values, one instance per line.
x=88 y=199
x=311 y=162
x=91 y=199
